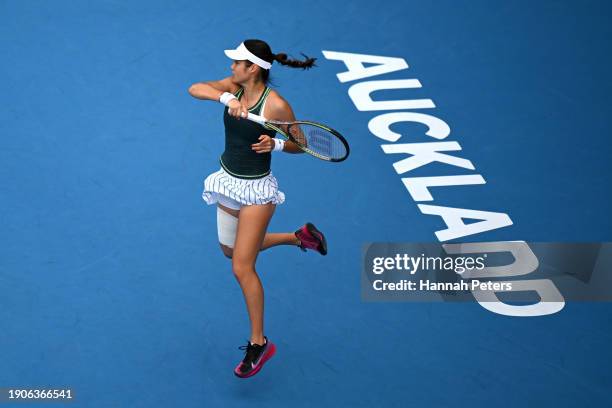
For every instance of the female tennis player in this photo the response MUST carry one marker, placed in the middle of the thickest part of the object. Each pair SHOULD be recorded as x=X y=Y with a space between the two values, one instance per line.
x=244 y=188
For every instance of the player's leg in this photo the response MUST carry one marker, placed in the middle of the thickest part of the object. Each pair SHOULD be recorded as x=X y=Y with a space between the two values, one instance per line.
x=227 y=222
x=253 y=221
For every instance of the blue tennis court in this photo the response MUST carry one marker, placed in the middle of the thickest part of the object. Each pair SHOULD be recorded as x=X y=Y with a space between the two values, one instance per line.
x=112 y=282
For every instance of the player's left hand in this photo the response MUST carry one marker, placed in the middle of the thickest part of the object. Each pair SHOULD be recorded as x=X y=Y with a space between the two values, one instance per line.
x=265 y=145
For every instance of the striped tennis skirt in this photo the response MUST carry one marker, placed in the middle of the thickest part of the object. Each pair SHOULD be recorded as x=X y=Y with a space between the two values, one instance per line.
x=221 y=187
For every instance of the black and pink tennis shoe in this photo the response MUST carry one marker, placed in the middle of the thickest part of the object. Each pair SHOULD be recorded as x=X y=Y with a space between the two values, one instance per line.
x=310 y=237
x=255 y=357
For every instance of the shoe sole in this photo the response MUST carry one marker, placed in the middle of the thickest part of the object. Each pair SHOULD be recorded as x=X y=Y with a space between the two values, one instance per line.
x=316 y=233
x=269 y=354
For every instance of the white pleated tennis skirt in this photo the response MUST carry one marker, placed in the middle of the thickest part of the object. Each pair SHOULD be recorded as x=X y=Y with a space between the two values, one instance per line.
x=221 y=187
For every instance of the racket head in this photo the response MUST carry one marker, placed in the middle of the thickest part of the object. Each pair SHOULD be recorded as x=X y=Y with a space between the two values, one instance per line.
x=314 y=138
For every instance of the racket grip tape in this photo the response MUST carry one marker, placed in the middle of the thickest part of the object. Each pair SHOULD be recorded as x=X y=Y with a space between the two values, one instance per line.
x=256 y=118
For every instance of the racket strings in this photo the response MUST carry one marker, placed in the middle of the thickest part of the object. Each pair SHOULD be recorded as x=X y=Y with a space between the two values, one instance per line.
x=318 y=140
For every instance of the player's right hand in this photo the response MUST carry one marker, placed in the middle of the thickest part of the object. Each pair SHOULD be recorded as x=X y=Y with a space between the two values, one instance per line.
x=237 y=109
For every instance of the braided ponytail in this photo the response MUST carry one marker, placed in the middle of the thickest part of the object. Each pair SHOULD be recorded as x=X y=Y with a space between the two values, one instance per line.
x=262 y=50
x=284 y=60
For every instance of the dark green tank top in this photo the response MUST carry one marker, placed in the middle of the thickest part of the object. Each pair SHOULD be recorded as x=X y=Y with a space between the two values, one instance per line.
x=239 y=159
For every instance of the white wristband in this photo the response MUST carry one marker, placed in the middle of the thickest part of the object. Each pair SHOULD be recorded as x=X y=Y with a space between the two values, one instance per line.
x=278 y=145
x=226 y=97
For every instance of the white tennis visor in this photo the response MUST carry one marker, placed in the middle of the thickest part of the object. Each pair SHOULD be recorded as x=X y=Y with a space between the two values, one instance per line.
x=241 y=53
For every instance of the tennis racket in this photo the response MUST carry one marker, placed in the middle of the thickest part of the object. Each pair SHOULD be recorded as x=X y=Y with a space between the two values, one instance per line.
x=313 y=138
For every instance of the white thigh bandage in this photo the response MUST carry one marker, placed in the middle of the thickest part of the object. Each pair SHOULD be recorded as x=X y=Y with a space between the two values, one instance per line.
x=226 y=228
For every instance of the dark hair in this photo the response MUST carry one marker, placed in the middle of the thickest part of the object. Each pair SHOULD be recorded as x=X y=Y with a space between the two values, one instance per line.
x=262 y=50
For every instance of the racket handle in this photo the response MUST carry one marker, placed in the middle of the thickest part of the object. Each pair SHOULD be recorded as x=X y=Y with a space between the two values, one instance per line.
x=256 y=118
